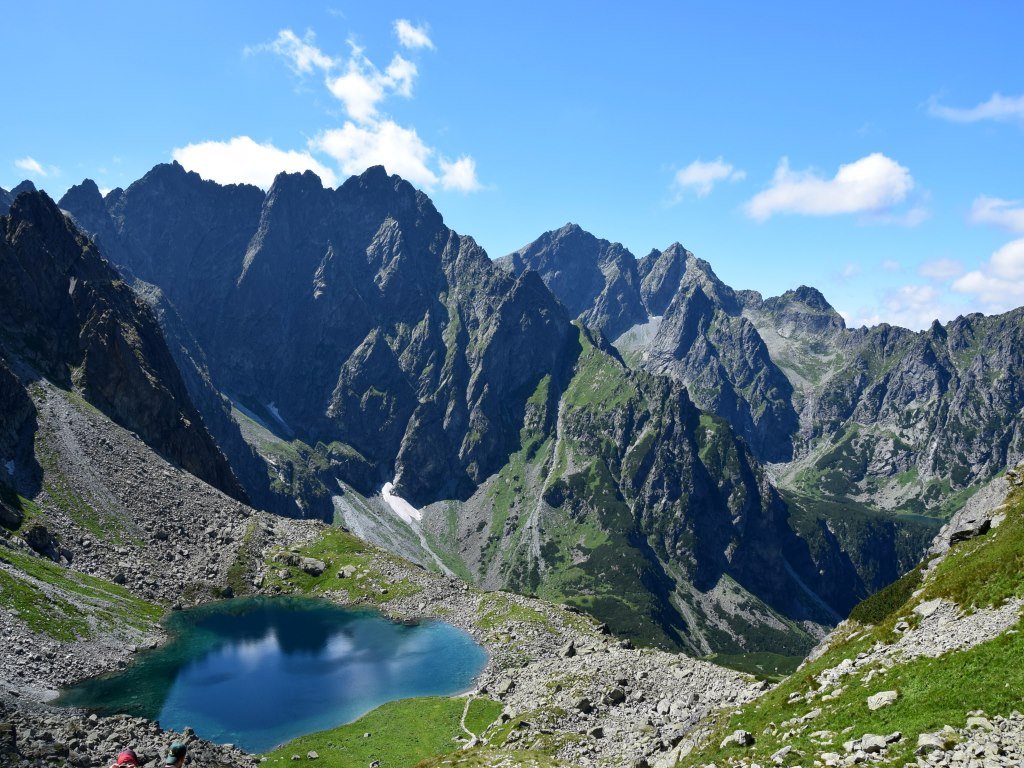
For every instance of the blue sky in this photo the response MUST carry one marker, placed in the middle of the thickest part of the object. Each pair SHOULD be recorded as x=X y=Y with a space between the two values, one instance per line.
x=870 y=149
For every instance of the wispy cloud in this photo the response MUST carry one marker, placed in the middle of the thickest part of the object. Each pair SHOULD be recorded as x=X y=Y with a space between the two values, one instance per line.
x=872 y=184
x=1008 y=214
x=998 y=107
x=401 y=150
x=700 y=177
x=459 y=174
x=361 y=87
x=33 y=167
x=412 y=36
x=909 y=306
x=367 y=137
x=301 y=53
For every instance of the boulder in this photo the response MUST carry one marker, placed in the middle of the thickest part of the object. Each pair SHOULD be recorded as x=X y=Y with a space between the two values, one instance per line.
x=312 y=566
x=882 y=699
x=39 y=538
x=738 y=738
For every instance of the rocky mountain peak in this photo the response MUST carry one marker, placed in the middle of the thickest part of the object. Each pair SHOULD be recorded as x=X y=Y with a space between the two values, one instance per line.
x=661 y=273
x=595 y=279
x=812 y=297
x=25 y=186
x=86 y=199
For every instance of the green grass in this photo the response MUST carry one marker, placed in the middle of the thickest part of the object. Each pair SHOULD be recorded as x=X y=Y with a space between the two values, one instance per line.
x=58 y=492
x=484 y=757
x=42 y=613
x=600 y=382
x=60 y=602
x=933 y=692
x=497 y=609
x=239 y=570
x=986 y=570
x=338 y=549
x=402 y=733
x=760 y=664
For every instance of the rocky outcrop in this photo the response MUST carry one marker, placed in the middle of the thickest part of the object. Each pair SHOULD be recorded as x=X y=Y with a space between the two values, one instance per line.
x=597 y=281
x=705 y=342
x=66 y=313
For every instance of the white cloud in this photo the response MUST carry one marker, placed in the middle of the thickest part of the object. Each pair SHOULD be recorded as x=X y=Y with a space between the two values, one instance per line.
x=32 y=166
x=891 y=265
x=368 y=137
x=303 y=56
x=411 y=36
x=998 y=107
x=386 y=143
x=459 y=174
x=701 y=177
x=999 y=284
x=363 y=86
x=1008 y=214
x=909 y=306
x=941 y=269
x=244 y=161
x=871 y=184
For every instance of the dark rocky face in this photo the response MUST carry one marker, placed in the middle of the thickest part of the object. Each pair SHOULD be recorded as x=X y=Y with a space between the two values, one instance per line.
x=67 y=313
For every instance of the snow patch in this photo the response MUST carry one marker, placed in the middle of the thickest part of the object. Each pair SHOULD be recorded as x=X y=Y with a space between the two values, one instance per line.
x=272 y=407
x=10 y=467
x=398 y=505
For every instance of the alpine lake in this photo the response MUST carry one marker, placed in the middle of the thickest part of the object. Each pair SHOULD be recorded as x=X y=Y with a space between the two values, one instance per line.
x=257 y=672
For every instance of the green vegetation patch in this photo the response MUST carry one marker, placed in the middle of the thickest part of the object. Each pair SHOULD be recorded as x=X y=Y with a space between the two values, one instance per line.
x=337 y=549
x=761 y=664
x=933 y=693
x=600 y=381
x=63 y=603
x=979 y=572
x=886 y=602
x=498 y=609
x=986 y=570
x=401 y=734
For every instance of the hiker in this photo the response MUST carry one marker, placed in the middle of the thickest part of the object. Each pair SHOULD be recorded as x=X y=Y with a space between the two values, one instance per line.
x=126 y=757
x=176 y=755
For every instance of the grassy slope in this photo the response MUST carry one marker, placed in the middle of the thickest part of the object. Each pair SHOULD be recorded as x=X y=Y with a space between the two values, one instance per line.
x=63 y=603
x=391 y=739
x=979 y=573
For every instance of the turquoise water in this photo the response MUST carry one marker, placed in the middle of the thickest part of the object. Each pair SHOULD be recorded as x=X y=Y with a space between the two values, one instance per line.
x=258 y=672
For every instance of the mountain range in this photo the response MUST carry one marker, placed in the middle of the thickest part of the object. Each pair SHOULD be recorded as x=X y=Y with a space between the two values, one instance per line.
x=698 y=466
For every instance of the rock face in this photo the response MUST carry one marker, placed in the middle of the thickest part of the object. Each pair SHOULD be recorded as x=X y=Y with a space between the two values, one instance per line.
x=884 y=416
x=374 y=344
x=66 y=313
x=701 y=338
x=598 y=281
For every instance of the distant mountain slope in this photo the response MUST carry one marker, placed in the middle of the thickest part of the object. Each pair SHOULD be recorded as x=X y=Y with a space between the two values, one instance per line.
x=66 y=313
x=363 y=342
x=928 y=668
x=887 y=417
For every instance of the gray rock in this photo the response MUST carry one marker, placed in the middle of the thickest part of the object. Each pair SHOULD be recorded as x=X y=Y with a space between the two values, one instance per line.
x=739 y=738
x=882 y=699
